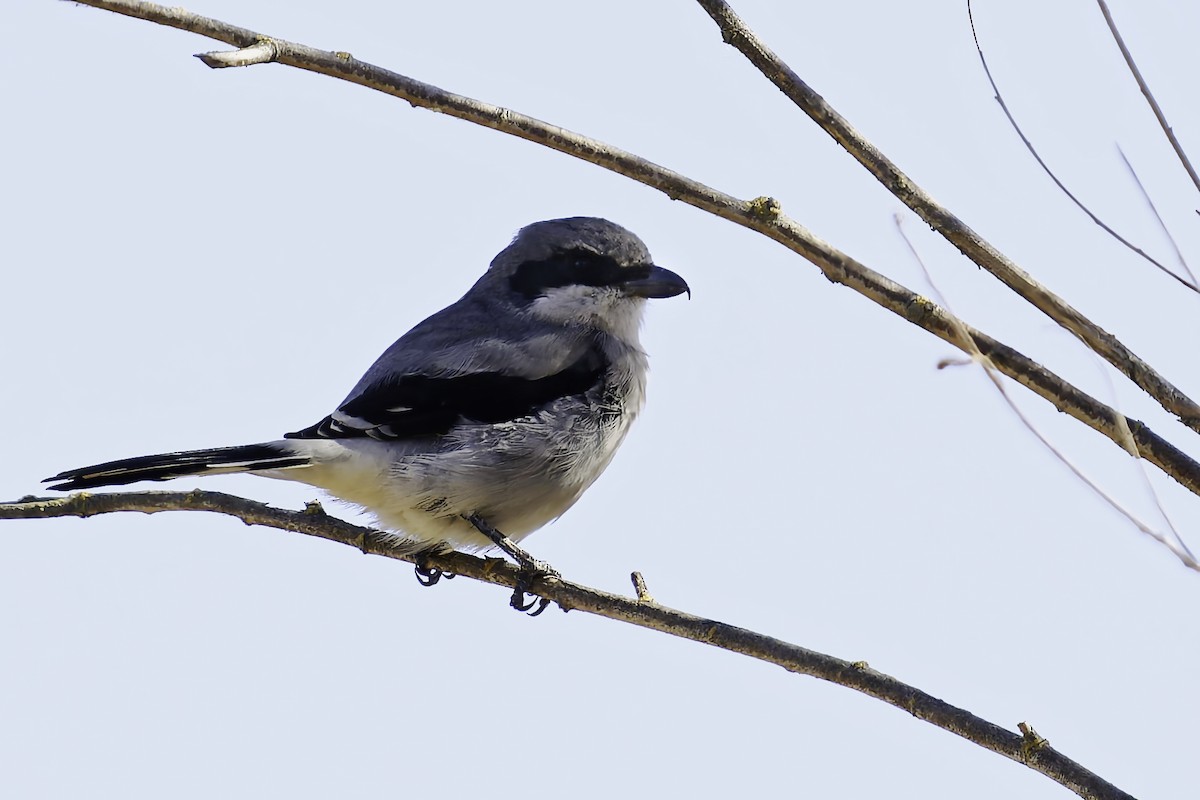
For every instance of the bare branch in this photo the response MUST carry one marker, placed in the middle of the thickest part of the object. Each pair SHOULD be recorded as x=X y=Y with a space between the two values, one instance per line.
x=1141 y=82
x=641 y=611
x=1046 y=168
x=761 y=214
x=1173 y=543
x=975 y=247
x=1162 y=225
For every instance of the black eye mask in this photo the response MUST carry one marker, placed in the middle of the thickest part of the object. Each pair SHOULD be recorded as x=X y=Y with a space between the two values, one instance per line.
x=572 y=268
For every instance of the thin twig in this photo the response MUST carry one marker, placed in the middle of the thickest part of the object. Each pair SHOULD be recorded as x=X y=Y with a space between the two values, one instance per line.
x=1154 y=210
x=568 y=595
x=1141 y=82
x=760 y=214
x=1012 y=121
x=736 y=33
x=640 y=589
x=260 y=53
x=1174 y=544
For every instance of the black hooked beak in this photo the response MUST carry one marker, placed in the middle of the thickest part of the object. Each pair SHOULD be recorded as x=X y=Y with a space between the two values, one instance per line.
x=659 y=283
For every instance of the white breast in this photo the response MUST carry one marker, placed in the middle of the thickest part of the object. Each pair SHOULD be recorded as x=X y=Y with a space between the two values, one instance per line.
x=517 y=475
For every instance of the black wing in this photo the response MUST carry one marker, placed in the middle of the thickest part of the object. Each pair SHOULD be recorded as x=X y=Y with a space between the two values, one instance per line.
x=419 y=405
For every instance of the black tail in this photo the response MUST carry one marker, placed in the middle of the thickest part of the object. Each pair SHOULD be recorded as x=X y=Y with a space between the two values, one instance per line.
x=246 y=458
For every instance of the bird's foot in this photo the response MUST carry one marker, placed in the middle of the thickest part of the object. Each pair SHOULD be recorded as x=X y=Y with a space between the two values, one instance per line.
x=427 y=575
x=525 y=580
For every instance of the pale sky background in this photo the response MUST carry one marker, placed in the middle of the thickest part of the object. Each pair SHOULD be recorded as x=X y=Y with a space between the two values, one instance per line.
x=196 y=258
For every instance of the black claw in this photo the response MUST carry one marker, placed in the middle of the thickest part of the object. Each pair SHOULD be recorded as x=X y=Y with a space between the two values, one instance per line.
x=536 y=604
x=427 y=576
x=517 y=600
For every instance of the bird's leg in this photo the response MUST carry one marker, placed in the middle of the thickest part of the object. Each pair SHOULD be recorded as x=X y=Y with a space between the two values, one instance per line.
x=514 y=551
x=531 y=568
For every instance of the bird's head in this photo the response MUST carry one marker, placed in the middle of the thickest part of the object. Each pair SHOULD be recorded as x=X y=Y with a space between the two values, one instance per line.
x=582 y=270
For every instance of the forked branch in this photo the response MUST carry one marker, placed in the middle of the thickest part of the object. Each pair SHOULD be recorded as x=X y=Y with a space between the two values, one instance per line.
x=957 y=232
x=1149 y=95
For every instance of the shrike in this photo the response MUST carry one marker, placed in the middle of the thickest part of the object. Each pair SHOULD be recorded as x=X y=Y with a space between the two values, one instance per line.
x=505 y=406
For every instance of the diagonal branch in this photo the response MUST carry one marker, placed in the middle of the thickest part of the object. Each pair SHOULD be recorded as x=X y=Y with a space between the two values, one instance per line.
x=761 y=214
x=1173 y=543
x=1141 y=82
x=1027 y=748
x=1012 y=121
x=1162 y=224
x=957 y=232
